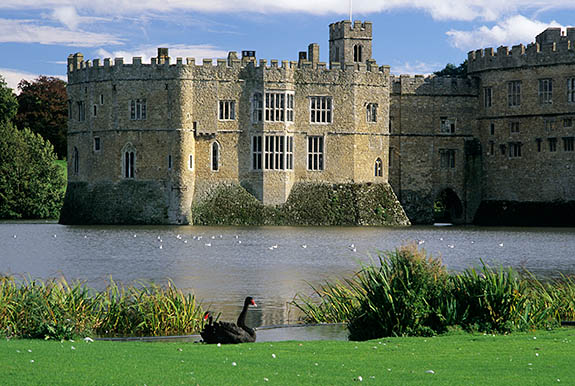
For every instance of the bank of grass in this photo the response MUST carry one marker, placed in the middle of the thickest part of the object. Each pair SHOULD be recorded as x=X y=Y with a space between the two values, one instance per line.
x=532 y=358
x=410 y=293
x=56 y=309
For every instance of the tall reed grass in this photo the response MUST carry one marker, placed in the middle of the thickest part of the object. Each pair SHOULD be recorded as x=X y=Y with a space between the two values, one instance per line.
x=407 y=292
x=59 y=310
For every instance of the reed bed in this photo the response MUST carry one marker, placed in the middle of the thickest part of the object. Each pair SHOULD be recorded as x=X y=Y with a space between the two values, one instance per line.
x=407 y=292
x=59 y=310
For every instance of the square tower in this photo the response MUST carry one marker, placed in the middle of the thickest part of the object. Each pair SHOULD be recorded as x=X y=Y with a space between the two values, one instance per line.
x=350 y=43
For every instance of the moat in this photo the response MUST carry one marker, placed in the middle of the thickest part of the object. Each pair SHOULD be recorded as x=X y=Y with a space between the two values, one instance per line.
x=224 y=264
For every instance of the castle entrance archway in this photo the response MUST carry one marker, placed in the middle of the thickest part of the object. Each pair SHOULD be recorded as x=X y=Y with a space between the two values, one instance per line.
x=447 y=207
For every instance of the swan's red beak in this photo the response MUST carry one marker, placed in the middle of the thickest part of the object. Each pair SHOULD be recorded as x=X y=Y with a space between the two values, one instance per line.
x=206 y=316
x=254 y=303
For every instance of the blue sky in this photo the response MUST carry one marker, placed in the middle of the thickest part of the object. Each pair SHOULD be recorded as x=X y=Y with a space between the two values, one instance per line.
x=412 y=36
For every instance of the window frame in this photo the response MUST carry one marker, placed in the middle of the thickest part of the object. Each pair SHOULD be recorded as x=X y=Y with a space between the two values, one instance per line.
x=315 y=153
x=129 y=163
x=371 y=112
x=514 y=127
x=215 y=156
x=272 y=152
x=545 y=91
x=514 y=150
x=323 y=112
x=97 y=144
x=568 y=144
x=552 y=144
x=81 y=111
x=447 y=125
x=257 y=107
x=487 y=97
x=514 y=93
x=226 y=110
x=190 y=162
x=278 y=106
x=571 y=90
x=378 y=167
x=138 y=109
x=447 y=159
x=76 y=161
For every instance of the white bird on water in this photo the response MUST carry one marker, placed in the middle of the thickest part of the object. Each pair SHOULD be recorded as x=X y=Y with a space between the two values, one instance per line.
x=500 y=244
x=208 y=244
x=304 y=246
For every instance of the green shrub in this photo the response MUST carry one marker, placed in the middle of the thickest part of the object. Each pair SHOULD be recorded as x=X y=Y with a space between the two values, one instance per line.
x=410 y=293
x=490 y=300
x=403 y=296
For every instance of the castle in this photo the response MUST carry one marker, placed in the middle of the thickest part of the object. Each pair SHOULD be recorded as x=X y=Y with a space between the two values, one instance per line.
x=147 y=143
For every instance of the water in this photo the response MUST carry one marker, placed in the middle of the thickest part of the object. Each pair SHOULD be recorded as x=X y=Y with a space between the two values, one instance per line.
x=269 y=263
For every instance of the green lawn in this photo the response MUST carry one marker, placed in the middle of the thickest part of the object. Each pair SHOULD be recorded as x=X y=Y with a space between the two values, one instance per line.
x=460 y=359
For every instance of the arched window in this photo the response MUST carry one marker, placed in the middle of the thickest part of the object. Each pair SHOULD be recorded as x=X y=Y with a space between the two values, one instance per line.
x=76 y=161
x=129 y=161
x=378 y=168
x=357 y=54
x=215 y=156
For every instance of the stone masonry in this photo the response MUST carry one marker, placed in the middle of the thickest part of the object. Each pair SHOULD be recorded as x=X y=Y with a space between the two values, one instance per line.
x=147 y=142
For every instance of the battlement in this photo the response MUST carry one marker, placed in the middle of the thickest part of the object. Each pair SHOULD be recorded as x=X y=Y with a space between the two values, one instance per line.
x=162 y=67
x=432 y=85
x=345 y=29
x=552 y=46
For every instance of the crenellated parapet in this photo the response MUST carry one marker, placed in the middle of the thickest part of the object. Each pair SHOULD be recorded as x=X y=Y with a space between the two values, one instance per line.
x=432 y=85
x=346 y=29
x=163 y=68
x=551 y=47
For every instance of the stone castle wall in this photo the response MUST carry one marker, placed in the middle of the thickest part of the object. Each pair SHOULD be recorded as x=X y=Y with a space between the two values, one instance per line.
x=437 y=137
x=182 y=124
x=418 y=105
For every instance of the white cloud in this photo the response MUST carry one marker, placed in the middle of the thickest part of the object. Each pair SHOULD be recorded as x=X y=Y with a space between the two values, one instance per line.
x=417 y=68
x=438 y=9
x=67 y=16
x=28 y=31
x=175 y=50
x=514 y=30
x=13 y=77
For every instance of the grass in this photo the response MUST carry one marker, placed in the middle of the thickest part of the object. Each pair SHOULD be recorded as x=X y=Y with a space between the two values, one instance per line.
x=533 y=358
x=55 y=309
x=409 y=293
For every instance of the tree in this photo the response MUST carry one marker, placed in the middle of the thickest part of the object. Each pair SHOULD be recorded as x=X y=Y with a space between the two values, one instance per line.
x=31 y=184
x=8 y=102
x=451 y=70
x=43 y=107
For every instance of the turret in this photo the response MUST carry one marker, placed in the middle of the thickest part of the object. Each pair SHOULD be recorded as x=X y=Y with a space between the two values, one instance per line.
x=350 y=43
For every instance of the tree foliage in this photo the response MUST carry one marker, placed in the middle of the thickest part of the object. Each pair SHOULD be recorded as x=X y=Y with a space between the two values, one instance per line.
x=454 y=71
x=43 y=109
x=31 y=184
x=8 y=102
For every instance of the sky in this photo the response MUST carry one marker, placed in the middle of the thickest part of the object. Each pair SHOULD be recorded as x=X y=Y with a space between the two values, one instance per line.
x=412 y=36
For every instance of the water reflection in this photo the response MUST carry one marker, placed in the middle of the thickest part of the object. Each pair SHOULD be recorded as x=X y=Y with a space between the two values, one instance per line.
x=222 y=265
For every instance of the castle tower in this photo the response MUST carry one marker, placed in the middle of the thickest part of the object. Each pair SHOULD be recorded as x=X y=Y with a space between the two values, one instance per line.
x=350 y=43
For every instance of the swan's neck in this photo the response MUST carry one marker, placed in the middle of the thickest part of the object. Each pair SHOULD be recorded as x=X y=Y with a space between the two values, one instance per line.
x=242 y=318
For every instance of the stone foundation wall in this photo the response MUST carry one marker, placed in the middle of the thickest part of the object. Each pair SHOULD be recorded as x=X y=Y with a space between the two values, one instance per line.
x=126 y=202
x=515 y=213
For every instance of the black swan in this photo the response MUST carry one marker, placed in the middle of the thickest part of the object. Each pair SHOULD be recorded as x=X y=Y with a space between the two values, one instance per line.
x=227 y=332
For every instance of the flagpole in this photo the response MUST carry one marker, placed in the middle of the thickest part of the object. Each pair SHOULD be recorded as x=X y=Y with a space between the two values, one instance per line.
x=350 y=9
